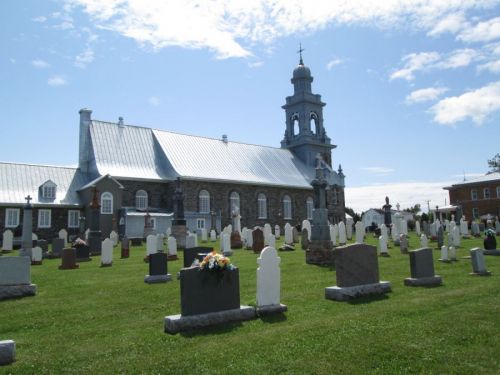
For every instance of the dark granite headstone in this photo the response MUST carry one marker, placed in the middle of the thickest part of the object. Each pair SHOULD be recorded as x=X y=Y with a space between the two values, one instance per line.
x=191 y=254
x=421 y=263
x=235 y=239
x=57 y=247
x=490 y=243
x=82 y=253
x=440 y=237
x=68 y=259
x=158 y=264
x=43 y=244
x=356 y=264
x=304 y=241
x=206 y=291
x=258 y=240
x=295 y=235
x=125 y=250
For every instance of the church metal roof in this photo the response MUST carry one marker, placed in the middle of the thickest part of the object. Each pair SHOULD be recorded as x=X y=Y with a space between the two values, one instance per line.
x=490 y=177
x=19 y=180
x=194 y=157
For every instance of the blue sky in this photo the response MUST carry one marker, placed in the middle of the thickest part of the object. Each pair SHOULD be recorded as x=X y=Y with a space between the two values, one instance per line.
x=412 y=87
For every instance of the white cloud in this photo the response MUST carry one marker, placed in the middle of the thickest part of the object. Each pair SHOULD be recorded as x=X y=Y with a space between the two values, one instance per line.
x=255 y=64
x=230 y=27
x=154 y=101
x=491 y=66
x=451 y=23
x=476 y=104
x=57 y=81
x=39 y=19
x=483 y=31
x=84 y=58
x=407 y=194
x=333 y=63
x=40 y=64
x=423 y=95
x=415 y=62
x=457 y=59
x=381 y=171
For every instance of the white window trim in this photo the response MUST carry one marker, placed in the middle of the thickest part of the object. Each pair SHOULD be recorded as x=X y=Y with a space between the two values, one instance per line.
x=202 y=222
x=287 y=207
x=484 y=193
x=234 y=198
x=17 y=211
x=309 y=208
x=70 y=224
x=472 y=193
x=49 y=188
x=498 y=191
x=262 y=206
x=141 y=196
x=204 y=201
x=42 y=224
x=104 y=197
x=475 y=209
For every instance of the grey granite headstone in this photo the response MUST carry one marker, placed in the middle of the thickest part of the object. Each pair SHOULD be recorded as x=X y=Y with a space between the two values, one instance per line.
x=304 y=240
x=15 y=277
x=357 y=273
x=295 y=235
x=7 y=352
x=57 y=247
x=440 y=236
x=158 y=263
x=190 y=254
x=478 y=263
x=422 y=269
x=403 y=243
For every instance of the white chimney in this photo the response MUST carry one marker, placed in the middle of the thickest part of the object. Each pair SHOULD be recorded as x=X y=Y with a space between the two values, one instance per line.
x=224 y=138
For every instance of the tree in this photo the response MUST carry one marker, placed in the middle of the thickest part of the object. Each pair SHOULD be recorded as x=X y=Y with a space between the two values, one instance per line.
x=356 y=217
x=494 y=164
x=414 y=210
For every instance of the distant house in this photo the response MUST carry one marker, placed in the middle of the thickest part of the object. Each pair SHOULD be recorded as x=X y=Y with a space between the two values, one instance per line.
x=478 y=198
x=376 y=216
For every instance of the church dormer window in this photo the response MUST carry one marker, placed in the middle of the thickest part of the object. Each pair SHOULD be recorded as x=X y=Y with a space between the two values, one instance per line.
x=48 y=190
x=141 y=200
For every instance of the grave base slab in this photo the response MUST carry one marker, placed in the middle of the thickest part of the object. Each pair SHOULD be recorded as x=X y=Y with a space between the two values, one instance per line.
x=347 y=293
x=155 y=279
x=7 y=352
x=178 y=323
x=271 y=309
x=16 y=291
x=423 y=281
x=491 y=252
x=485 y=273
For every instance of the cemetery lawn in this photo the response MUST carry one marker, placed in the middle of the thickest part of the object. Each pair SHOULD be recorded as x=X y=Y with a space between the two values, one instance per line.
x=97 y=320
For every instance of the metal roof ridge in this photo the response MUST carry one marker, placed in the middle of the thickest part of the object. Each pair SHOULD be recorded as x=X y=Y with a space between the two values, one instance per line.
x=39 y=165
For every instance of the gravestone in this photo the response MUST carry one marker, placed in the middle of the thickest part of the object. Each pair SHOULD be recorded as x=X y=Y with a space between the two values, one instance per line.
x=440 y=237
x=258 y=240
x=267 y=230
x=107 y=253
x=249 y=239
x=213 y=236
x=277 y=232
x=475 y=229
x=113 y=236
x=204 y=235
x=269 y=283
x=452 y=254
x=433 y=229
x=125 y=249
x=8 y=241
x=36 y=256
x=43 y=244
x=422 y=269
x=456 y=236
x=7 y=352
x=235 y=240
x=395 y=232
x=15 y=278
x=270 y=241
x=94 y=234
x=403 y=243
x=304 y=239
x=191 y=254
x=307 y=225
x=464 y=230
x=417 y=227
x=384 y=232
x=357 y=273
x=57 y=247
x=342 y=234
x=295 y=235
x=82 y=252
x=447 y=226
x=63 y=234
x=444 y=255
x=226 y=244
x=478 y=263
x=288 y=234
x=450 y=239
x=68 y=259
x=151 y=245
x=191 y=241
x=334 y=233
x=490 y=243
x=208 y=298
x=382 y=243
x=423 y=241
x=360 y=232
x=427 y=230
x=87 y=234
x=348 y=230
x=404 y=227
x=158 y=267
x=172 y=248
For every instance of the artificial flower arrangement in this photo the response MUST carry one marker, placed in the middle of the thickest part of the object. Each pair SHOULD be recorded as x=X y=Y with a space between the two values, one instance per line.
x=215 y=262
x=489 y=232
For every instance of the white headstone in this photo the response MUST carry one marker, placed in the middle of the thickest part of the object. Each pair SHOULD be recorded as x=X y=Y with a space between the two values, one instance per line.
x=444 y=253
x=384 y=232
x=334 y=233
x=113 y=236
x=8 y=240
x=404 y=227
x=159 y=242
x=417 y=227
x=63 y=234
x=447 y=225
x=342 y=234
x=36 y=254
x=307 y=224
x=34 y=237
x=191 y=241
x=456 y=236
x=204 y=236
x=360 y=232
x=277 y=231
x=169 y=232
x=249 y=238
x=268 y=277
x=267 y=230
x=497 y=226
x=348 y=231
x=213 y=236
x=87 y=234
x=107 y=252
x=433 y=229
x=464 y=229
x=395 y=231
x=225 y=244
x=270 y=240
x=288 y=234
x=423 y=240
x=172 y=246
x=477 y=260
x=151 y=244
x=382 y=244
x=452 y=253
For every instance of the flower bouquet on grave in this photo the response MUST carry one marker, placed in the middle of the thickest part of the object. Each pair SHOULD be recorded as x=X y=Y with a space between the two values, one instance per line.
x=217 y=264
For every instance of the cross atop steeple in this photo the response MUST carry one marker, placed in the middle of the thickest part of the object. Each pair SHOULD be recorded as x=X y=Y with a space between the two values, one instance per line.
x=28 y=199
x=300 y=54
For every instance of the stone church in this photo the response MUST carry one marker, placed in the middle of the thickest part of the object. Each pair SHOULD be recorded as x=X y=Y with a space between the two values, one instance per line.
x=134 y=170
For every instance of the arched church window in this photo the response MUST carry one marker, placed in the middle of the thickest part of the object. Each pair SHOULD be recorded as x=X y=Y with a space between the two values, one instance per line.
x=106 y=203
x=287 y=207
x=141 y=200
x=262 y=206
x=309 y=207
x=234 y=202
x=204 y=201
x=295 y=123
x=313 y=120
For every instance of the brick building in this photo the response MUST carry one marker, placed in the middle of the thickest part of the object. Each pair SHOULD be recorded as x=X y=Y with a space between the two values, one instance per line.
x=134 y=169
x=479 y=198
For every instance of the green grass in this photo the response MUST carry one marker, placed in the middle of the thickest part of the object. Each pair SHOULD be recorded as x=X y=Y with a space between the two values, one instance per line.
x=107 y=320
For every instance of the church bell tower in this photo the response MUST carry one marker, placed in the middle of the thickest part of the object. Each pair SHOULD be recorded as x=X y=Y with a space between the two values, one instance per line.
x=305 y=135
